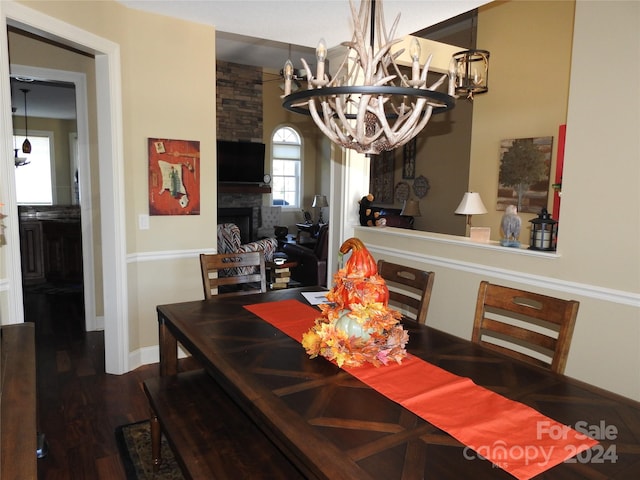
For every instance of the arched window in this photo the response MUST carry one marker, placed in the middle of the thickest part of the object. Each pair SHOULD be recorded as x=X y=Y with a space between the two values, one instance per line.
x=286 y=158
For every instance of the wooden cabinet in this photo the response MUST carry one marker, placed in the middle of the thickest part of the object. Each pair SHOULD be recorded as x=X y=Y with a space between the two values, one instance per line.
x=51 y=250
x=31 y=252
x=62 y=249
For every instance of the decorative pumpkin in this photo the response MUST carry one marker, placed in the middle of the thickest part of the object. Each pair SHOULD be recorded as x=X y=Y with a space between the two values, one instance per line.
x=361 y=263
x=358 y=282
x=357 y=326
x=352 y=326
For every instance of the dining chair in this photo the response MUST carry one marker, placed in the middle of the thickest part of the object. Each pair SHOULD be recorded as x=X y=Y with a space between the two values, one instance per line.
x=528 y=326
x=409 y=289
x=238 y=273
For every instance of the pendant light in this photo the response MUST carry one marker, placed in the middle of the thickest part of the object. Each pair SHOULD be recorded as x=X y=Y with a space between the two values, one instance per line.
x=18 y=161
x=470 y=68
x=26 y=145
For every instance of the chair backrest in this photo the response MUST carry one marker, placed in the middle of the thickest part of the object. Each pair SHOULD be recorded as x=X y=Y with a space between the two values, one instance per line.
x=229 y=239
x=270 y=216
x=409 y=289
x=233 y=273
x=528 y=326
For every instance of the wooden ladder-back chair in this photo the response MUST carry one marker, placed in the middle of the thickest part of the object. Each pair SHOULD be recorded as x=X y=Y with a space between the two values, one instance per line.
x=243 y=270
x=409 y=289
x=528 y=326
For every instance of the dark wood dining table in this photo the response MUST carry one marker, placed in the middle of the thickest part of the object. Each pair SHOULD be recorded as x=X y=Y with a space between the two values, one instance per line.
x=330 y=425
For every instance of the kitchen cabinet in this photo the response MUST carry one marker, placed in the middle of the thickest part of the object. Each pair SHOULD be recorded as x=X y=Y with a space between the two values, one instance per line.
x=51 y=245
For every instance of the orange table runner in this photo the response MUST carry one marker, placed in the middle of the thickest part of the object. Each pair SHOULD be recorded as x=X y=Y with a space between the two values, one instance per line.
x=513 y=436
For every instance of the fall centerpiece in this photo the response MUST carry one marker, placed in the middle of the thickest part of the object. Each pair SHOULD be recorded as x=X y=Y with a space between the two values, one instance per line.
x=357 y=326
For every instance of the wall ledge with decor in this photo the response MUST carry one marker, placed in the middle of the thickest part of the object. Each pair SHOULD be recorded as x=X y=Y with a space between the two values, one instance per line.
x=460 y=264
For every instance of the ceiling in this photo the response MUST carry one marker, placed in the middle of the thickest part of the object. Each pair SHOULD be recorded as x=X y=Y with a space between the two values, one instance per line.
x=259 y=38
x=44 y=99
x=263 y=36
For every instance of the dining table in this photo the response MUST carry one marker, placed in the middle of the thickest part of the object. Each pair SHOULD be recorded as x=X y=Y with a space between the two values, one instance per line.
x=332 y=424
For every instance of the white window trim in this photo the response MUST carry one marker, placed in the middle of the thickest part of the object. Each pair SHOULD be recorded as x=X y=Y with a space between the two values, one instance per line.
x=301 y=160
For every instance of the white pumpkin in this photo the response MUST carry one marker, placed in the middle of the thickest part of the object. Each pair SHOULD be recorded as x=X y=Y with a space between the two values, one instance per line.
x=351 y=326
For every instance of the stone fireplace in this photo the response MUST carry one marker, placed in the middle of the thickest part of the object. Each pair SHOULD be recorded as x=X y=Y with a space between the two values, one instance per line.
x=241 y=206
x=242 y=217
x=239 y=117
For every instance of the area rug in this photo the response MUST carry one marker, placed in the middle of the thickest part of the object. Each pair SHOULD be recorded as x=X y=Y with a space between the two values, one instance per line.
x=134 y=443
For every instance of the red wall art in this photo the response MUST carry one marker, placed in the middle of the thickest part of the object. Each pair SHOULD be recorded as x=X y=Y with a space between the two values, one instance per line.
x=174 y=183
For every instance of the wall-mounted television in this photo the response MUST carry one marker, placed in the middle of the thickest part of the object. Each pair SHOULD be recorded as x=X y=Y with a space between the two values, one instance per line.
x=240 y=162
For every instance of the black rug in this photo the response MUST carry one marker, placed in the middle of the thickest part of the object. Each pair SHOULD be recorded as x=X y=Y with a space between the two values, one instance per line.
x=134 y=443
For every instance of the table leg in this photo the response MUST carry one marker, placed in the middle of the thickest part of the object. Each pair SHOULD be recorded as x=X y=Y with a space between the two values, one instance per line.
x=156 y=453
x=168 y=351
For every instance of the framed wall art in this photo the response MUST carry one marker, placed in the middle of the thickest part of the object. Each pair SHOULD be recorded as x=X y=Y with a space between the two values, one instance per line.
x=174 y=177
x=381 y=177
x=523 y=177
x=409 y=160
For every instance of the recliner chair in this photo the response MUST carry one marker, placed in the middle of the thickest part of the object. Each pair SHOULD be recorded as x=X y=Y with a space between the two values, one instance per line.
x=312 y=262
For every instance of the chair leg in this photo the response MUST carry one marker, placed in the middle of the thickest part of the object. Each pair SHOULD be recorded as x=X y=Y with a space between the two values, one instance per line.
x=156 y=454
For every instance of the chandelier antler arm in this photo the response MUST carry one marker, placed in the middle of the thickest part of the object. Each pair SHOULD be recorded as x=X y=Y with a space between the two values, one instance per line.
x=338 y=108
x=404 y=126
x=319 y=122
x=404 y=138
x=439 y=82
x=385 y=52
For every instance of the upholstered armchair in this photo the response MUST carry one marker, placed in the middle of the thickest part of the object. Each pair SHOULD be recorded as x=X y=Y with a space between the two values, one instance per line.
x=229 y=242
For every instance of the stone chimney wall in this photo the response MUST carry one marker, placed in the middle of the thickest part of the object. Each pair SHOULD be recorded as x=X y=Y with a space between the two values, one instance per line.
x=239 y=102
x=239 y=117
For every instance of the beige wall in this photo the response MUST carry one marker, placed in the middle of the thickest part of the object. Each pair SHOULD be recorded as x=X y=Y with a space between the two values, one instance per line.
x=528 y=90
x=598 y=259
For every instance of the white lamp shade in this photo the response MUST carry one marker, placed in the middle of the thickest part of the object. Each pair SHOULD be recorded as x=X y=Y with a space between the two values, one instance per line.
x=471 y=204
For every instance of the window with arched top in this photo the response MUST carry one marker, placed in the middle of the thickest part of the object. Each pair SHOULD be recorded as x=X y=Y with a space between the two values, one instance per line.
x=286 y=161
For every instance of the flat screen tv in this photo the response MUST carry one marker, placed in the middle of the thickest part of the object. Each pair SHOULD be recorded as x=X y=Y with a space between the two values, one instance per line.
x=240 y=162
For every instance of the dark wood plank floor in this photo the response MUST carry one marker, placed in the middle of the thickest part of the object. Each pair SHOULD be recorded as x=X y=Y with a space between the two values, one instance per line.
x=80 y=406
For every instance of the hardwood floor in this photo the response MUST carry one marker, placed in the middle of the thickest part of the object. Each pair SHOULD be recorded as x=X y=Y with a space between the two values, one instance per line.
x=80 y=406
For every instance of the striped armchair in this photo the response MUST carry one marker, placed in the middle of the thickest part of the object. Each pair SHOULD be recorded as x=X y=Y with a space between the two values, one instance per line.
x=229 y=242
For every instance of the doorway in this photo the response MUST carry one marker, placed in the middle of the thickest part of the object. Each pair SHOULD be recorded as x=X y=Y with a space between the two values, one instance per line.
x=110 y=172
x=58 y=100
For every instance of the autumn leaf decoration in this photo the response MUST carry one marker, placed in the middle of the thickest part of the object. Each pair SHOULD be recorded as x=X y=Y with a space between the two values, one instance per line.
x=357 y=326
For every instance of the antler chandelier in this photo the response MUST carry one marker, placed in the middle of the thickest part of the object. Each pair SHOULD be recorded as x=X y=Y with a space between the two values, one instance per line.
x=369 y=105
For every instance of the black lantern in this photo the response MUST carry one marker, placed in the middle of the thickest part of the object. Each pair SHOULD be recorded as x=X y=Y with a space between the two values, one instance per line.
x=544 y=232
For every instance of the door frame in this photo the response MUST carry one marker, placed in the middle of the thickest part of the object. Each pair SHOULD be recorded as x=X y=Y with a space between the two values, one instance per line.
x=84 y=178
x=111 y=173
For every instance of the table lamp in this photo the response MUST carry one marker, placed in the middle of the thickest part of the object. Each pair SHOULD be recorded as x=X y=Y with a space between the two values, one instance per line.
x=471 y=204
x=320 y=201
x=411 y=208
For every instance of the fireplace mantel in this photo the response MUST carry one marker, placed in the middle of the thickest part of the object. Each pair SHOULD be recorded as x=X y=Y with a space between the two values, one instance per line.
x=243 y=188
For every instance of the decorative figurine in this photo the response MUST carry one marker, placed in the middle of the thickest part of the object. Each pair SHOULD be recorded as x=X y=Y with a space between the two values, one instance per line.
x=510 y=224
x=369 y=218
